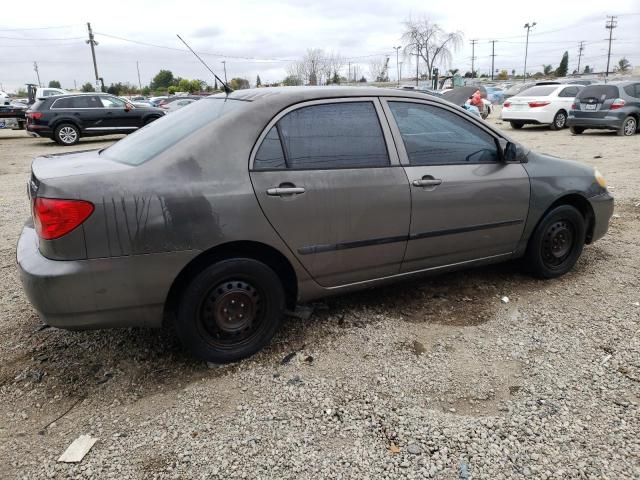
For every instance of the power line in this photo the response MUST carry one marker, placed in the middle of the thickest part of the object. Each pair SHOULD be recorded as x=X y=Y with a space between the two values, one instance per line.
x=35 y=28
x=41 y=39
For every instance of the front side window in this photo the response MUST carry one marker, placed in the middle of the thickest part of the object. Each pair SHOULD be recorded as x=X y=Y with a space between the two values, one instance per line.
x=435 y=136
x=335 y=135
x=112 y=102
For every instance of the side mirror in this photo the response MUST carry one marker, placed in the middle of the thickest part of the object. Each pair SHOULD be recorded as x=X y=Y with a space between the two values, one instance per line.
x=508 y=151
x=127 y=107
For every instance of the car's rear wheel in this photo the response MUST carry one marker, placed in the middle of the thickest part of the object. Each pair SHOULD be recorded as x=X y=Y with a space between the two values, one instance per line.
x=559 y=121
x=577 y=130
x=629 y=127
x=516 y=125
x=556 y=243
x=66 y=134
x=230 y=310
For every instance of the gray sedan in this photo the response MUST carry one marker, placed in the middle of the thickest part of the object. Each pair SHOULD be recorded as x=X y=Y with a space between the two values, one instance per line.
x=224 y=214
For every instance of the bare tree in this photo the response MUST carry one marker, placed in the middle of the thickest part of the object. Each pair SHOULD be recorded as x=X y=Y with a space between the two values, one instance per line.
x=312 y=68
x=430 y=43
x=379 y=69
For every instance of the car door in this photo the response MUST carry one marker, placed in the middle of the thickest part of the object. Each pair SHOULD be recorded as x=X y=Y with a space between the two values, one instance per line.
x=117 y=115
x=86 y=110
x=333 y=191
x=466 y=203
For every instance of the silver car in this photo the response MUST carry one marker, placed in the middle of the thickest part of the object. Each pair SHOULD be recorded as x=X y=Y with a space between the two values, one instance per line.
x=224 y=214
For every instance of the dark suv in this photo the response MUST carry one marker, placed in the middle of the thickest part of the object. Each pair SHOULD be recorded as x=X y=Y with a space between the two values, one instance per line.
x=66 y=118
x=611 y=106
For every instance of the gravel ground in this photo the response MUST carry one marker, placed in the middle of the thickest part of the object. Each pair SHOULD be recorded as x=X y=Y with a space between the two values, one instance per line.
x=430 y=379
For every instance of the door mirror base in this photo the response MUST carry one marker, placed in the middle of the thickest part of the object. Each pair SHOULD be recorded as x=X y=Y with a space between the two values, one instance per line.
x=508 y=151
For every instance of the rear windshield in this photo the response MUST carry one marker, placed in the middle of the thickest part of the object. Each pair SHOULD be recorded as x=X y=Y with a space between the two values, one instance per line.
x=149 y=141
x=540 y=91
x=599 y=92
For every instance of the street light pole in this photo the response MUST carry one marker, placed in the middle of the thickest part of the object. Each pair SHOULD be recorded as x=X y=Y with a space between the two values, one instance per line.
x=401 y=69
x=526 y=49
x=224 y=64
x=397 y=63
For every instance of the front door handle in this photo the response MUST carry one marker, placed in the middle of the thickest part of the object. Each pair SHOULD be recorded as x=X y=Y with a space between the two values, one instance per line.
x=284 y=191
x=427 y=181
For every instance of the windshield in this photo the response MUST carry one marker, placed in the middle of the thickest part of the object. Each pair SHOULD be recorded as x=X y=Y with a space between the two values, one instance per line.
x=538 y=91
x=156 y=137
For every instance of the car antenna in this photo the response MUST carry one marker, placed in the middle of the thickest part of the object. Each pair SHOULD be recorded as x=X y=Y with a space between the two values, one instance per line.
x=225 y=87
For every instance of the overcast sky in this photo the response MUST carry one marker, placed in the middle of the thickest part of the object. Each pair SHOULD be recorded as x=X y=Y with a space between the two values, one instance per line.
x=264 y=36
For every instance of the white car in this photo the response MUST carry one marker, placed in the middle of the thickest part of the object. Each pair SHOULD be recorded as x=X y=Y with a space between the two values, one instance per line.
x=541 y=105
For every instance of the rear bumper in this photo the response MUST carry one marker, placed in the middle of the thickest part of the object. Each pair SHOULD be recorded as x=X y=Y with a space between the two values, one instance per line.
x=98 y=293
x=39 y=130
x=528 y=116
x=609 y=122
x=602 y=209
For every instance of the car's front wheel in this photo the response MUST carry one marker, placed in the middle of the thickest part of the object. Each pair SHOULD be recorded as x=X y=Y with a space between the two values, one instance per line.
x=516 y=125
x=629 y=127
x=230 y=310
x=66 y=134
x=557 y=242
x=559 y=121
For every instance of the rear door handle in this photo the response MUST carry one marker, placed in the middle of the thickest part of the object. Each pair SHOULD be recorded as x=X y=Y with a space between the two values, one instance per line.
x=427 y=182
x=284 y=191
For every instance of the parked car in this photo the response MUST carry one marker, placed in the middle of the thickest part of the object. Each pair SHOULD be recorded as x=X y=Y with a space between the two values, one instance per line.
x=66 y=118
x=177 y=98
x=495 y=95
x=221 y=215
x=156 y=100
x=611 y=106
x=540 y=105
x=177 y=105
x=516 y=89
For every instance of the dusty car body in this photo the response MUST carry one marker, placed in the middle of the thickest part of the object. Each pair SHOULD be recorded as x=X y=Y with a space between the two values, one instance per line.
x=217 y=217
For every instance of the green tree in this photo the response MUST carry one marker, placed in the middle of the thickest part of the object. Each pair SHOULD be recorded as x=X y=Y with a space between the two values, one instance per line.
x=562 y=69
x=54 y=84
x=172 y=90
x=623 y=65
x=239 y=83
x=258 y=81
x=88 y=87
x=163 y=79
x=362 y=79
x=547 y=69
x=503 y=75
x=146 y=91
x=195 y=86
x=291 y=81
x=587 y=69
x=336 y=78
x=184 y=85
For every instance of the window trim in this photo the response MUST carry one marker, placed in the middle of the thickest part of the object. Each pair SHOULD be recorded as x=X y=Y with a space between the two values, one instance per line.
x=402 y=151
x=387 y=135
x=52 y=107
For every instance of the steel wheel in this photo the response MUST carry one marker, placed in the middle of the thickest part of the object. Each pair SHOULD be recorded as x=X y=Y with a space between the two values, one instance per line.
x=67 y=134
x=629 y=126
x=559 y=121
x=557 y=243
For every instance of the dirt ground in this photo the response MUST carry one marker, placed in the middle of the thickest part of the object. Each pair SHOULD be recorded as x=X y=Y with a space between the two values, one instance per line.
x=438 y=366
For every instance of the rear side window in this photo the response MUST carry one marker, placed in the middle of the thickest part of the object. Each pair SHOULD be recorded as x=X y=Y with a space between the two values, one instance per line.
x=539 y=91
x=270 y=154
x=599 y=92
x=63 y=103
x=569 y=92
x=633 y=90
x=336 y=135
x=86 y=101
x=435 y=136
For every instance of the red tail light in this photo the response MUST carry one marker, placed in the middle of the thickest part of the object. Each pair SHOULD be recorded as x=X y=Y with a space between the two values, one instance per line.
x=34 y=115
x=617 y=103
x=54 y=217
x=506 y=104
x=538 y=104
x=574 y=106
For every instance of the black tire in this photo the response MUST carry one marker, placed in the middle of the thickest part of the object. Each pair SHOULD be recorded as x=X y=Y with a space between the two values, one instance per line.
x=66 y=134
x=150 y=119
x=247 y=290
x=577 y=130
x=557 y=242
x=516 y=125
x=629 y=127
x=559 y=120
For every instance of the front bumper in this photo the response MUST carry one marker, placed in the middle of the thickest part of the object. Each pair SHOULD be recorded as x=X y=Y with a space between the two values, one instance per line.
x=609 y=122
x=98 y=293
x=602 y=210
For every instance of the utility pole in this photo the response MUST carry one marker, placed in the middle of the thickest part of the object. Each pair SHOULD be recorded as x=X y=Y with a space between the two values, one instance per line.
x=224 y=64
x=35 y=68
x=611 y=24
x=401 y=69
x=580 y=49
x=93 y=43
x=349 y=76
x=138 y=68
x=397 y=63
x=526 y=49
x=417 y=63
x=493 y=56
x=473 y=58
